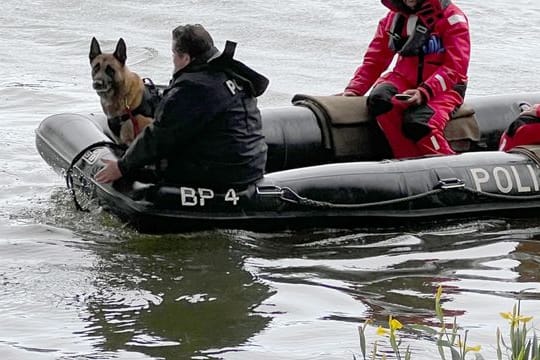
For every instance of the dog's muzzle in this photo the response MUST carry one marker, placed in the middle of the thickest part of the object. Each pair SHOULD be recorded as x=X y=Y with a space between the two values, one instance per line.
x=100 y=86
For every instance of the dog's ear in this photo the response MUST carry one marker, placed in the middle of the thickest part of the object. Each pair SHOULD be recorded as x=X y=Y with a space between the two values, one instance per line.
x=120 y=52
x=95 y=50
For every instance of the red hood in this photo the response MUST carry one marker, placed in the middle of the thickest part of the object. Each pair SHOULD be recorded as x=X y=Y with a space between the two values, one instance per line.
x=399 y=6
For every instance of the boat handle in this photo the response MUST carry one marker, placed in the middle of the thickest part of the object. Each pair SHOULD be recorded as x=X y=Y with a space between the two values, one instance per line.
x=269 y=190
x=451 y=183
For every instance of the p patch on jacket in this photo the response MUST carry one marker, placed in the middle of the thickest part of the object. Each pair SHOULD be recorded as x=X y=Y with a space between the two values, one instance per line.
x=233 y=86
x=251 y=80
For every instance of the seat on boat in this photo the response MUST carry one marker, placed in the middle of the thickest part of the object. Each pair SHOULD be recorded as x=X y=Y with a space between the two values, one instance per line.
x=350 y=134
x=532 y=151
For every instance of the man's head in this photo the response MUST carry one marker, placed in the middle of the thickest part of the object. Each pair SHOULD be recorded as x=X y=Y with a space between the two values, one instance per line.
x=188 y=43
x=412 y=4
x=407 y=6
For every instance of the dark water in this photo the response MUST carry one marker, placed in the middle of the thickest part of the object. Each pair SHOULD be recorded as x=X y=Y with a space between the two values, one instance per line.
x=83 y=286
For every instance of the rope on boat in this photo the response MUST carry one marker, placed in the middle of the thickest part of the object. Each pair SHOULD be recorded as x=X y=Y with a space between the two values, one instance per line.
x=286 y=194
x=300 y=200
x=503 y=196
x=77 y=158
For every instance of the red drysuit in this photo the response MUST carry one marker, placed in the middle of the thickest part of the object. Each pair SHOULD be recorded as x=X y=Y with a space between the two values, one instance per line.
x=433 y=47
x=525 y=130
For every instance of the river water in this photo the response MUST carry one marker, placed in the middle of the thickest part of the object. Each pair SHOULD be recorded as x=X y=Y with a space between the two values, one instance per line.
x=82 y=286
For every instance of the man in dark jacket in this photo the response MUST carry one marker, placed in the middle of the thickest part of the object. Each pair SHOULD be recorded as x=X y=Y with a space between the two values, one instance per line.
x=207 y=129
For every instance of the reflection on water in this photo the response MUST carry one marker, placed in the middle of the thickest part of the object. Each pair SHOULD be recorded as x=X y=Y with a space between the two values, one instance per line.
x=125 y=294
x=397 y=273
x=174 y=296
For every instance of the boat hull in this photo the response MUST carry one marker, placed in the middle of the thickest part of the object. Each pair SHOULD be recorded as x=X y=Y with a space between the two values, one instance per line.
x=304 y=185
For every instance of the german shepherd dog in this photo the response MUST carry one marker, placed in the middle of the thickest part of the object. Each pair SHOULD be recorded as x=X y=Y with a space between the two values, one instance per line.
x=121 y=91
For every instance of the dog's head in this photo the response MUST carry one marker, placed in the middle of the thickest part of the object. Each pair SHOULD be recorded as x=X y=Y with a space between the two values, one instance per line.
x=107 y=68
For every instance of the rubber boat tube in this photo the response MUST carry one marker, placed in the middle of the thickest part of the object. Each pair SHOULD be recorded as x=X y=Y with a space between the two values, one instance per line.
x=308 y=183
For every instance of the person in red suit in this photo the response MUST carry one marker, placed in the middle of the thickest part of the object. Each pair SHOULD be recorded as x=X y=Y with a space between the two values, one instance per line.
x=525 y=130
x=432 y=41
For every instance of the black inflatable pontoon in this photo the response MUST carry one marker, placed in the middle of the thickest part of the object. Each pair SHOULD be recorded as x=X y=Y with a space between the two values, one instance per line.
x=327 y=166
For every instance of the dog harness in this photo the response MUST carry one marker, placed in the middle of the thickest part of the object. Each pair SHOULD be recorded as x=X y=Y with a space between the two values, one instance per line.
x=150 y=100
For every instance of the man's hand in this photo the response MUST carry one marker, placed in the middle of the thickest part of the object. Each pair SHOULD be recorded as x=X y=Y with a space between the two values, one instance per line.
x=109 y=173
x=416 y=96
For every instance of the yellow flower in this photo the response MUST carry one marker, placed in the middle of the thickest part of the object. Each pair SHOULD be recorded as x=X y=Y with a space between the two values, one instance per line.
x=469 y=348
x=516 y=319
x=394 y=324
x=382 y=331
x=476 y=348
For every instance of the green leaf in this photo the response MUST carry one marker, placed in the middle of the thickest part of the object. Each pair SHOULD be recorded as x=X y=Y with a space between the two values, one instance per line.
x=441 y=352
x=408 y=353
x=425 y=329
x=362 y=341
x=374 y=353
x=535 y=354
x=455 y=354
x=444 y=343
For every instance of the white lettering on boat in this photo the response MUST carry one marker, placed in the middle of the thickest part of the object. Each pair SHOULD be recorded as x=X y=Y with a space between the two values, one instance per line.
x=205 y=194
x=231 y=196
x=502 y=175
x=520 y=187
x=506 y=179
x=480 y=176
x=535 y=179
x=189 y=196
x=200 y=196
x=91 y=156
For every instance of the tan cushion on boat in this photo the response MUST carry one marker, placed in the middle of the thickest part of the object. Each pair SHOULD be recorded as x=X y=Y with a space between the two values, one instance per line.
x=462 y=125
x=340 y=110
x=346 y=128
x=532 y=151
x=351 y=111
x=462 y=129
x=464 y=110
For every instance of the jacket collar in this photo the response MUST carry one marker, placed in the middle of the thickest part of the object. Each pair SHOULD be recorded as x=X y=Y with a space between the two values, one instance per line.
x=224 y=61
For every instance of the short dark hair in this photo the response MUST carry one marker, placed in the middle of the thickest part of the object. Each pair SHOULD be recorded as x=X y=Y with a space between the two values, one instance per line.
x=192 y=39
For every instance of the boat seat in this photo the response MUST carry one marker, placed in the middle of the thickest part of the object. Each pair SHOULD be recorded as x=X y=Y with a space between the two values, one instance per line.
x=532 y=151
x=349 y=132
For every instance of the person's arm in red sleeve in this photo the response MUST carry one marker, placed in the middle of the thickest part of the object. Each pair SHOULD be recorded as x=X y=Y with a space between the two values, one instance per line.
x=376 y=60
x=453 y=71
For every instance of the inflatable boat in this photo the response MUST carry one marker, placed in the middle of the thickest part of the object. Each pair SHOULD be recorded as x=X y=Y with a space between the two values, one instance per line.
x=328 y=165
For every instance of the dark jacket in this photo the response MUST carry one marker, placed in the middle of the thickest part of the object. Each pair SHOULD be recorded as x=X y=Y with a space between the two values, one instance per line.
x=207 y=127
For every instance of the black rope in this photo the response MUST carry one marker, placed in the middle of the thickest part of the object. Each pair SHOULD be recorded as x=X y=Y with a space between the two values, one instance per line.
x=503 y=196
x=288 y=195
x=79 y=156
x=297 y=199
